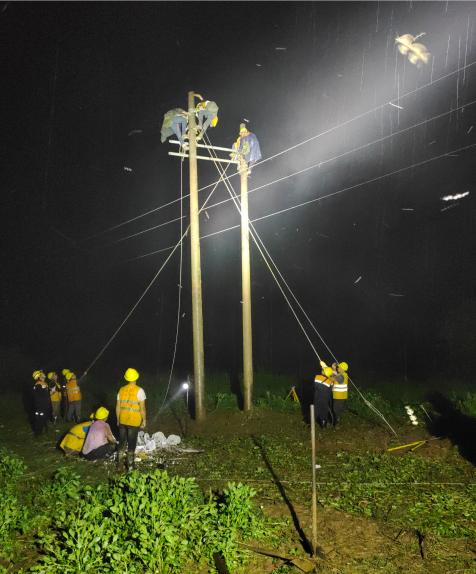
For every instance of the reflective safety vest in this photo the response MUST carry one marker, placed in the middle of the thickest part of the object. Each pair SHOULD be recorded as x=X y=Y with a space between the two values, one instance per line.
x=340 y=390
x=75 y=437
x=56 y=393
x=129 y=406
x=73 y=391
x=321 y=379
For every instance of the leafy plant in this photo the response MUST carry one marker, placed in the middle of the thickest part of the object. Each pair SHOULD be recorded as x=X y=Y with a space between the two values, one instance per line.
x=148 y=523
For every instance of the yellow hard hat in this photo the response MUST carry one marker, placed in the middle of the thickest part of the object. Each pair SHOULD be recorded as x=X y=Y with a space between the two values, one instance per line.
x=70 y=376
x=36 y=374
x=131 y=375
x=51 y=374
x=214 y=121
x=344 y=366
x=101 y=414
x=64 y=372
x=327 y=371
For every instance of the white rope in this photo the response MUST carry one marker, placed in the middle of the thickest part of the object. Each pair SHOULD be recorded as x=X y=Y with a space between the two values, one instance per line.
x=158 y=208
x=111 y=339
x=257 y=239
x=322 y=197
x=179 y=290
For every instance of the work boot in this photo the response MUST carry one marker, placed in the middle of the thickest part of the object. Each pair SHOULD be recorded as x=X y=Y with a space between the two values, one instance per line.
x=130 y=461
x=120 y=460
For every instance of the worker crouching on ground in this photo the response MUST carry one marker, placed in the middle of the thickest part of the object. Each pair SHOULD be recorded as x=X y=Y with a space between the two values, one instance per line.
x=100 y=442
x=339 y=390
x=131 y=415
x=41 y=403
x=73 y=440
x=323 y=396
x=73 y=392
x=55 y=396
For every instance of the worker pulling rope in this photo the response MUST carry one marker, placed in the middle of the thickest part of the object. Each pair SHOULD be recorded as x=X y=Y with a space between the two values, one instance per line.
x=262 y=249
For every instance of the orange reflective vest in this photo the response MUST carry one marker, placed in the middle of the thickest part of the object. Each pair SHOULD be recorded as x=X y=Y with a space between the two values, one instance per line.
x=73 y=391
x=321 y=379
x=75 y=437
x=129 y=406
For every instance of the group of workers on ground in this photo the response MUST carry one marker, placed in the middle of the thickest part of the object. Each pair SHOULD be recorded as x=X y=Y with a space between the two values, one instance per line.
x=53 y=399
x=330 y=393
x=91 y=438
x=176 y=121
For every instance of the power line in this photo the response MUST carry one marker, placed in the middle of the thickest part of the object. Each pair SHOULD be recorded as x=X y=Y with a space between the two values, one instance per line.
x=313 y=166
x=325 y=132
x=372 y=180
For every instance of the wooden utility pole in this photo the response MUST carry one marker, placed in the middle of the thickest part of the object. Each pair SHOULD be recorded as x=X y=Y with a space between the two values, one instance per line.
x=197 y=314
x=246 y=291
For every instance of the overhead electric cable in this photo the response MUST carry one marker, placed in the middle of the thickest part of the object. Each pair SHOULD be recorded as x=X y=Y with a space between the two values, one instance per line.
x=325 y=132
x=310 y=167
x=327 y=196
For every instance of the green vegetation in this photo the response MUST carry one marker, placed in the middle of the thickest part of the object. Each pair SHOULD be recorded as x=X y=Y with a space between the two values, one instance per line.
x=408 y=492
x=136 y=523
x=66 y=515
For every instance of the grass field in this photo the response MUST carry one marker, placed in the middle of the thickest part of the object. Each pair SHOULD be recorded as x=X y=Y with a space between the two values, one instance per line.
x=378 y=511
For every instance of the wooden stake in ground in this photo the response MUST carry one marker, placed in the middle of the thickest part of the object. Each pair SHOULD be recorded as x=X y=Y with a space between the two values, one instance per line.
x=314 y=491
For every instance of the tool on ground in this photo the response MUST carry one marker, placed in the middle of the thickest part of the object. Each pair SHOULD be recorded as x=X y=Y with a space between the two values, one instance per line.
x=414 y=445
x=293 y=395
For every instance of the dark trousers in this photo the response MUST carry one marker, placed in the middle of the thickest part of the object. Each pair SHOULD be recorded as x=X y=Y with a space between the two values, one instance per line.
x=128 y=434
x=101 y=452
x=322 y=403
x=338 y=406
x=40 y=422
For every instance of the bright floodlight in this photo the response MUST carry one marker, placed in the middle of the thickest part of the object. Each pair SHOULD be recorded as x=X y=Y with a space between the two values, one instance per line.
x=185 y=386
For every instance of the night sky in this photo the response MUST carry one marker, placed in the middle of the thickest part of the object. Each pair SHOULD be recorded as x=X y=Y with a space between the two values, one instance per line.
x=383 y=266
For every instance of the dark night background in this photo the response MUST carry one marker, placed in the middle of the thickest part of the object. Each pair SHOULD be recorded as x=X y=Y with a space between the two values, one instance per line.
x=77 y=78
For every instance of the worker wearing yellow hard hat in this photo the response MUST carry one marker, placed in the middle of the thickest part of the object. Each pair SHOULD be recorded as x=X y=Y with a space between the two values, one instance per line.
x=41 y=403
x=55 y=395
x=73 y=440
x=73 y=393
x=207 y=115
x=340 y=388
x=131 y=414
x=323 y=396
x=100 y=442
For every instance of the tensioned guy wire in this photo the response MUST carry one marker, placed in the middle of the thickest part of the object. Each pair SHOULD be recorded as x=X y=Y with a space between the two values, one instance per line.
x=325 y=132
x=134 y=307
